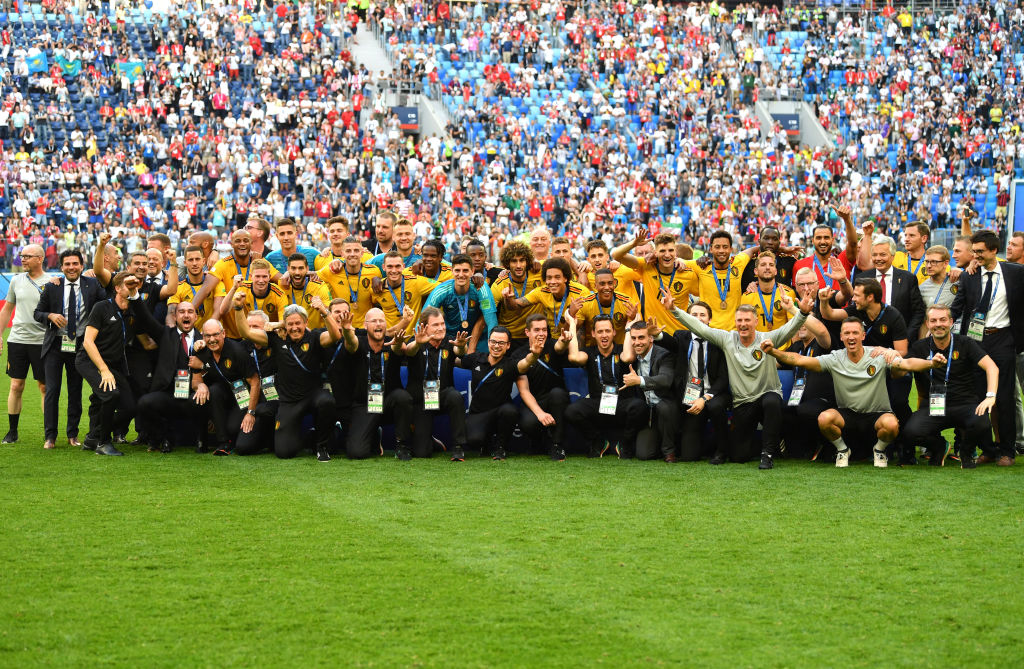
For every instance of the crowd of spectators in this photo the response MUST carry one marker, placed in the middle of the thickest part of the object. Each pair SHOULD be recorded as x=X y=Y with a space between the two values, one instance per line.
x=589 y=116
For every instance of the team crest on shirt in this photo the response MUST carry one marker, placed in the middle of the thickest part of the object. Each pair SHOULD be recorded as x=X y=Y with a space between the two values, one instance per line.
x=735 y=271
x=619 y=318
x=757 y=353
x=546 y=358
x=227 y=364
x=677 y=287
x=954 y=289
x=782 y=273
x=778 y=304
x=145 y=296
x=277 y=425
x=499 y=371
x=305 y=347
x=444 y=354
x=385 y=356
x=871 y=370
x=883 y=328
x=271 y=309
x=615 y=358
x=472 y=303
x=366 y=283
x=408 y=296
x=956 y=355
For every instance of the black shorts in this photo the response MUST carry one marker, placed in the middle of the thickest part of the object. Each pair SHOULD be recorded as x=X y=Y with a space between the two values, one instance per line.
x=21 y=356
x=860 y=424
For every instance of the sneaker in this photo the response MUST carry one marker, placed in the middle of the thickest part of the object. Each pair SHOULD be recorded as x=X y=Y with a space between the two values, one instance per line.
x=624 y=453
x=120 y=439
x=458 y=454
x=403 y=453
x=843 y=458
x=498 y=453
x=967 y=461
x=11 y=437
x=599 y=449
x=766 y=462
x=222 y=451
x=322 y=455
x=557 y=453
x=717 y=459
x=881 y=460
x=165 y=447
x=938 y=456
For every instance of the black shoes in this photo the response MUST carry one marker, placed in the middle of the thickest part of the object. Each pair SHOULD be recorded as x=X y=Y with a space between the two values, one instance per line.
x=967 y=460
x=165 y=447
x=11 y=437
x=498 y=453
x=107 y=449
x=458 y=454
x=90 y=444
x=766 y=462
x=222 y=451
x=717 y=459
x=403 y=452
x=557 y=453
x=120 y=439
x=322 y=455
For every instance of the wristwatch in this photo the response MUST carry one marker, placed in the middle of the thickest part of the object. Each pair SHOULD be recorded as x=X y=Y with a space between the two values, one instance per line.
x=990 y=394
x=250 y=412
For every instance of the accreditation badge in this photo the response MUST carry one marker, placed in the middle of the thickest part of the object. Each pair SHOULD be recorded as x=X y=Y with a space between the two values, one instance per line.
x=609 y=401
x=797 y=393
x=67 y=344
x=241 y=394
x=269 y=389
x=976 y=329
x=937 y=402
x=181 y=385
x=431 y=395
x=375 y=398
x=693 y=391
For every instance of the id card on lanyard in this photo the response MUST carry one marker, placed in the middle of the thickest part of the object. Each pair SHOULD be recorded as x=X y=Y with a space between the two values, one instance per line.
x=269 y=389
x=181 y=385
x=936 y=393
x=67 y=344
x=976 y=328
x=431 y=388
x=695 y=386
x=241 y=394
x=609 y=392
x=374 y=391
x=797 y=393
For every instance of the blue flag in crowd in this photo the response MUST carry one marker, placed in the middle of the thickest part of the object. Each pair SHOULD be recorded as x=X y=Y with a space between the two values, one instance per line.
x=132 y=69
x=71 y=68
x=37 y=63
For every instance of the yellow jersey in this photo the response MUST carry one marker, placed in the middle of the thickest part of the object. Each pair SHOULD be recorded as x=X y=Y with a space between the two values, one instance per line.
x=315 y=287
x=326 y=257
x=711 y=281
x=592 y=308
x=443 y=274
x=625 y=276
x=413 y=293
x=903 y=261
x=680 y=283
x=771 y=315
x=554 y=312
x=515 y=319
x=187 y=293
x=356 y=288
x=226 y=268
x=272 y=304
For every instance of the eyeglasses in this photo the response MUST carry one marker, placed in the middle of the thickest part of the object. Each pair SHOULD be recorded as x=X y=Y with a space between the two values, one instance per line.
x=25 y=256
x=934 y=262
x=214 y=335
x=497 y=343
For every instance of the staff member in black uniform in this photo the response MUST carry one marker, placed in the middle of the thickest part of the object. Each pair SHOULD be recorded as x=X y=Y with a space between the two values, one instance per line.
x=430 y=383
x=609 y=405
x=491 y=411
x=948 y=395
x=101 y=360
x=265 y=365
x=542 y=388
x=229 y=387
x=702 y=386
x=372 y=369
x=63 y=308
x=990 y=309
x=300 y=354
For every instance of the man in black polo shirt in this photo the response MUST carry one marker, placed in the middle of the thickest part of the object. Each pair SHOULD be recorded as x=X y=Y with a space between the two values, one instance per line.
x=542 y=388
x=431 y=358
x=229 y=386
x=372 y=368
x=265 y=365
x=101 y=360
x=948 y=395
x=491 y=411
x=300 y=354
x=610 y=404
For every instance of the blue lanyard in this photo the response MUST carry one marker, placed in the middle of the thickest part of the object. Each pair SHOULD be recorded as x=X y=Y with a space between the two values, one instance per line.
x=938 y=294
x=769 y=311
x=723 y=293
x=487 y=376
x=238 y=269
x=369 y=357
x=949 y=359
x=821 y=270
x=120 y=317
x=512 y=283
x=547 y=367
x=600 y=372
x=463 y=306
x=671 y=278
x=611 y=310
x=352 y=297
x=399 y=305
x=291 y=289
x=221 y=372
x=192 y=286
x=255 y=302
x=992 y=297
x=690 y=351
x=426 y=361
x=561 y=308
x=878 y=318
x=256 y=359
x=292 y=351
x=914 y=270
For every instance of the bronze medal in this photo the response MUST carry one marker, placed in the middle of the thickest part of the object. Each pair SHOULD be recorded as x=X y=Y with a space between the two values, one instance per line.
x=723 y=305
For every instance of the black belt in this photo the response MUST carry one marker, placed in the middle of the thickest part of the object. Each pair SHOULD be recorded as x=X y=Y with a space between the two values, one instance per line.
x=989 y=331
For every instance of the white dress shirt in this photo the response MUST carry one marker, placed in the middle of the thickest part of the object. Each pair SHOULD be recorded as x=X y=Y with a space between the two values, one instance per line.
x=886 y=285
x=692 y=371
x=644 y=370
x=999 y=312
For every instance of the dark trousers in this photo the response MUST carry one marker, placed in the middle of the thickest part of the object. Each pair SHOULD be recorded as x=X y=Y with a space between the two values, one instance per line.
x=262 y=438
x=586 y=416
x=999 y=346
x=452 y=405
x=498 y=422
x=555 y=403
x=659 y=439
x=361 y=441
x=117 y=406
x=925 y=430
x=227 y=420
x=288 y=437
x=803 y=436
x=54 y=365
x=692 y=446
x=157 y=412
x=767 y=410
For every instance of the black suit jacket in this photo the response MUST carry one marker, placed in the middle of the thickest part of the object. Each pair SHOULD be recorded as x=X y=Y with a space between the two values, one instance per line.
x=661 y=377
x=51 y=301
x=906 y=298
x=718 y=373
x=170 y=355
x=969 y=294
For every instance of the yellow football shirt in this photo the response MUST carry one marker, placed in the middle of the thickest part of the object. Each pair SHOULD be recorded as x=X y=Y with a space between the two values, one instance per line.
x=515 y=319
x=187 y=293
x=710 y=281
x=680 y=283
x=412 y=294
x=356 y=288
x=315 y=287
x=554 y=312
x=592 y=308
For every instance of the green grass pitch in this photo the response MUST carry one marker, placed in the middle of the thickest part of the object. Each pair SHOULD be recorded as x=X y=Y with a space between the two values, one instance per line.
x=185 y=560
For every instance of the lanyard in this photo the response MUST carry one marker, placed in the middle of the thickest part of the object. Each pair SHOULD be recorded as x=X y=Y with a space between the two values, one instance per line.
x=547 y=367
x=192 y=286
x=722 y=292
x=938 y=294
x=426 y=362
x=353 y=297
x=671 y=278
x=690 y=350
x=561 y=308
x=949 y=359
x=34 y=284
x=915 y=269
x=463 y=306
x=369 y=358
x=486 y=376
x=639 y=287
x=600 y=372
x=256 y=359
x=291 y=289
x=221 y=372
x=821 y=269
x=400 y=305
x=256 y=303
x=611 y=310
x=800 y=372
x=880 y=313
x=769 y=311
x=992 y=297
x=238 y=269
x=120 y=317
x=513 y=284
x=292 y=351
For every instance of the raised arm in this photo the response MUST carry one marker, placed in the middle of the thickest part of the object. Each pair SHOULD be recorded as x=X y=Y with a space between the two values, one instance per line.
x=820 y=332
x=171 y=287
x=864 y=248
x=530 y=358
x=787 y=331
x=209 y=284
x=790 y=358
x=622 y=253
x=852 y=245
x=576 y=356
x=242 y=324
x=98 y=267
x=825 y=304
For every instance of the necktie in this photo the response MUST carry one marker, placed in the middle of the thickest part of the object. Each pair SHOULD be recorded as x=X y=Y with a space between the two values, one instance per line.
x=882 y=281
x=986 y=298
x=700 y=362
x=184 y=343
x=72 y=325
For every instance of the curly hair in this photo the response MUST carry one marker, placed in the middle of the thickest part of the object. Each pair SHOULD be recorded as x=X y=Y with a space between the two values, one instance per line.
x=513 y=250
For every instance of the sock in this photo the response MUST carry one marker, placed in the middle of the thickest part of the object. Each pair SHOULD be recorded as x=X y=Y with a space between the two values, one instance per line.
x=840 y=444
x=880 y=445
x=13 y=418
